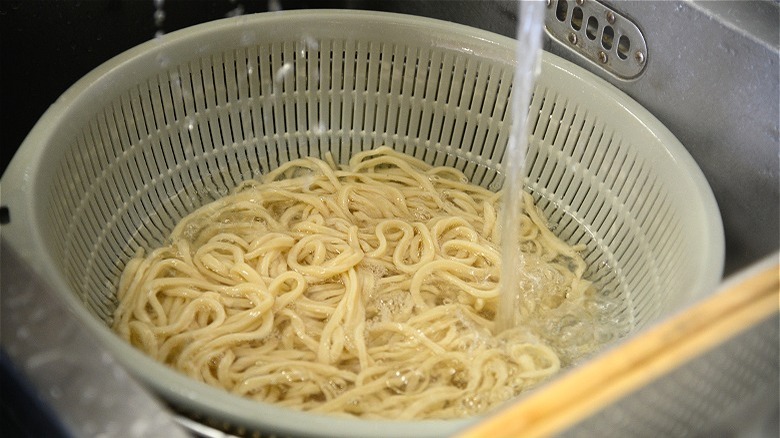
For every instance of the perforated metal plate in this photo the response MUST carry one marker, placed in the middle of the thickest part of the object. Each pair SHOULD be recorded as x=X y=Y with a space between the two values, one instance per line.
x=599 y=34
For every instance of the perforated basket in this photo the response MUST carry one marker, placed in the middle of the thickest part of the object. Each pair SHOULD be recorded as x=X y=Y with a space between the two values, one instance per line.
x=177 y=122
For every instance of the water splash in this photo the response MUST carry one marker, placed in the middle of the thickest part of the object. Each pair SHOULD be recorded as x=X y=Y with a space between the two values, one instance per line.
x=236 y=11
x=528 y=52
x=285 y=70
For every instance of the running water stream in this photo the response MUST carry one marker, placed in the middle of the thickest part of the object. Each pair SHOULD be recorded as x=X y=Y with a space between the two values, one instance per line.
x=528 y=54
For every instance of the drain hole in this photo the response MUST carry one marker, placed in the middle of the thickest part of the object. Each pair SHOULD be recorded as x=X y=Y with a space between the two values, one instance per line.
x=561 y=10
x=576 y=19
x=607 y=37
x=624 y=45
x=5 y=215
x=593 y=28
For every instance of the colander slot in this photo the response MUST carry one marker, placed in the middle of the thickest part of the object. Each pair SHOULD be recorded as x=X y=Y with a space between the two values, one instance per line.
x=177 y=94
x=154 y=118
x=405 y=88
x=629 y=251
x=351 y=73
x=543 y=118
x=138 y=120
x=375 y=64
x=368 y=97
x=479 y=91
x=242 y=66
x=670 y=268
x=587 y=207
x=635 y=199
x=384 y=84
x=416 y=115
x=538 y=99
x=473 y=114
x=607 y=157
x=573 y=127
x=557 y=119
x=591 y=155
x=466 y=91
x=361 y=88
x=432 y=79
x=424 y=83
x=253 y=80
x=165 y=88
x=397 y=78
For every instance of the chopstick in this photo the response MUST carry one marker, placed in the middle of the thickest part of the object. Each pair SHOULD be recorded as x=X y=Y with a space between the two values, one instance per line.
x=661 y=349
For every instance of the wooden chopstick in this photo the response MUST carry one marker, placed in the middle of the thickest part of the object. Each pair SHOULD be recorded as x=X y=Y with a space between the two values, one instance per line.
x=650 y=355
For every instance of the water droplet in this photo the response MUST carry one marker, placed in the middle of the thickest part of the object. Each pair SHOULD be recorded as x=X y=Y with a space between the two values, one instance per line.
x=163 y=60
x=55 y=392
x=283 y=71
x=399 y=382
x=338 y=385
x=248 y=38
x=175 y=81
x=22 y=333
x=159 y=17
x=236 y=12
x=319 y=128
x=274 y=5
x=311 y=43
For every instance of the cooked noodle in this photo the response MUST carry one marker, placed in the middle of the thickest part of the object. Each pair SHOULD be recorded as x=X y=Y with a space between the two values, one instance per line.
x=367 y=289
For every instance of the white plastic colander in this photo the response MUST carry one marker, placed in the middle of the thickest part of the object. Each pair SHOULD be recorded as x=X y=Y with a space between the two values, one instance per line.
x=174 y=123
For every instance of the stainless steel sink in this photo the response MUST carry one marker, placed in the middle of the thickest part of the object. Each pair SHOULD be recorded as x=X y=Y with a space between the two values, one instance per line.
x=709 y=71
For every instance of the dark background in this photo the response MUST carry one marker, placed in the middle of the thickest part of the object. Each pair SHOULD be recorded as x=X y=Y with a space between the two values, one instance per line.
x=47 y=45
